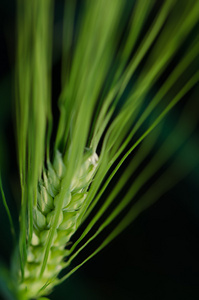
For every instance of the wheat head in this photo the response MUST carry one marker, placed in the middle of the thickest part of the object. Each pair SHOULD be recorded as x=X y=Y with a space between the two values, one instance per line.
x=117 y=88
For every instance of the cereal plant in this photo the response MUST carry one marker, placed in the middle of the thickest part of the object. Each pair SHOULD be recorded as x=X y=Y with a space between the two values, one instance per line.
x=106 y=157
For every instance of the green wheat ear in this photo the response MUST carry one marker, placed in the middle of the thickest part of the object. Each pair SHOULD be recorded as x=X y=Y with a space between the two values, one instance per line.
x=36 y=272
x=108 y=113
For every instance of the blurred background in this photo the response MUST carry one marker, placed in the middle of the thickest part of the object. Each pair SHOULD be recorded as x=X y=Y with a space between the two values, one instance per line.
x=155 y=258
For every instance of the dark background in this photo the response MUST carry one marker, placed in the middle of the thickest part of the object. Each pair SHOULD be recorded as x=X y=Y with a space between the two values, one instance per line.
x=155 y=258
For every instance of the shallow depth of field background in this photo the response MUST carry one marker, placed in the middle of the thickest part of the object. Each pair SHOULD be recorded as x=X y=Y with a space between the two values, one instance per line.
x=156 y=258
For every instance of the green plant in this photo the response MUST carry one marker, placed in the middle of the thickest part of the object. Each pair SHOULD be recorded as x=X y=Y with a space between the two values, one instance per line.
x=116 y=90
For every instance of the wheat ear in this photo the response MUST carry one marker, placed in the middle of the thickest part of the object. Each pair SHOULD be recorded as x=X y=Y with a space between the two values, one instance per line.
x=48 y=194
x=117 y=87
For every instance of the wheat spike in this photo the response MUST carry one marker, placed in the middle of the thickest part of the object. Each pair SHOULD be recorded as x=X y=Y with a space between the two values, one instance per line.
x=119 y=80
x=48 y=190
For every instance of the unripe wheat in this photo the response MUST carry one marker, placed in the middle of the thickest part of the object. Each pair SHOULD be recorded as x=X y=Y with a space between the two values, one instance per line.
x=116 y=88
x=48 y=189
